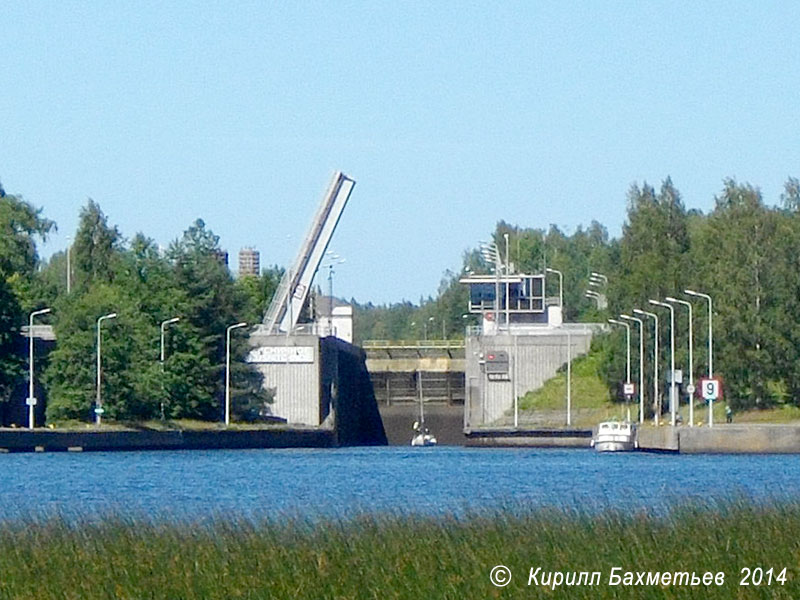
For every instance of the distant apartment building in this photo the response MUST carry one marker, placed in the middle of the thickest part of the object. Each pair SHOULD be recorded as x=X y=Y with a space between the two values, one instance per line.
x=249 y=262
x=222 y=257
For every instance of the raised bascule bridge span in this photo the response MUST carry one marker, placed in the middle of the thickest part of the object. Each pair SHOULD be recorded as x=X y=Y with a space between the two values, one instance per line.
x=317 y=380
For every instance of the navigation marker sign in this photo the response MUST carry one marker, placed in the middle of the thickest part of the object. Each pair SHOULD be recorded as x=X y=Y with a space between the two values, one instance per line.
x=710 y=388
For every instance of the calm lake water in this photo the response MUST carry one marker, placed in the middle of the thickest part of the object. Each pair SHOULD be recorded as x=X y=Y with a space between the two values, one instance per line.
x=313 y=483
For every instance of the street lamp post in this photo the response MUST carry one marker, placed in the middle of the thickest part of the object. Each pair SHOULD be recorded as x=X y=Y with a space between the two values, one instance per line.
x=656 y=403
x=594 y=296
x=31 y=400
x=98 y=409
x=641 y=363
x=598 y=277
x=505 y=235
x=560 y=286
x=672 y=398
x=627 y=359
x=691 y=364
x=491 y=254
x=710 y=349
x=569 y=378
x=228 y=371
x=597 y=280
x=332 y=260
x=627 y=327
x=163 y=328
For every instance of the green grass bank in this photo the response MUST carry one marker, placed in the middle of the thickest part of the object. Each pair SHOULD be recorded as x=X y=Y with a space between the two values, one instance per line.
x=592 y=403
x=402 y=556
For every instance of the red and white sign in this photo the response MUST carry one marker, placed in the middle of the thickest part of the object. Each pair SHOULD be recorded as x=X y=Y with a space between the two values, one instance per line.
x=710 y=388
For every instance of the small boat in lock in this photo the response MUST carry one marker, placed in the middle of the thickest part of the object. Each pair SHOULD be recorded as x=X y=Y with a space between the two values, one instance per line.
x=615 y=436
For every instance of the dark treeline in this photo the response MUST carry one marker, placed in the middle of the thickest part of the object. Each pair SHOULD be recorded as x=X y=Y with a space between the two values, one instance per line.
x=745 y=254
x=145 y=287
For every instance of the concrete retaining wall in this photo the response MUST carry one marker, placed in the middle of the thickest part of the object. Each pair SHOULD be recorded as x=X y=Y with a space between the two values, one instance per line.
x=532 y=438
x=658 y=439
x=722 y=439
x=60 y=441
x=535 y=356
x=755 y=439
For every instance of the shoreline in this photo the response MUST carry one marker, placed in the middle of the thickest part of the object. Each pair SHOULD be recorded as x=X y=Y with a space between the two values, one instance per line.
x=25 y=440
x=722 y=439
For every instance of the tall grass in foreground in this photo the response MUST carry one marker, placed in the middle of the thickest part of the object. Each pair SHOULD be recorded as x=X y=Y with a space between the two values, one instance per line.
x=397 y=556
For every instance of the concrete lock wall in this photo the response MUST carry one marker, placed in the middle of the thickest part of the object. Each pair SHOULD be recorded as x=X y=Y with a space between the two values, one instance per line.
x=348 y=395
x=319 y=382
x=751 y=438
x=533 y=359
x=290 y=366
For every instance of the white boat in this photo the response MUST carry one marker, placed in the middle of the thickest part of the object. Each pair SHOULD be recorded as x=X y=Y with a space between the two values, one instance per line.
x=422 y=436
x=615 y=436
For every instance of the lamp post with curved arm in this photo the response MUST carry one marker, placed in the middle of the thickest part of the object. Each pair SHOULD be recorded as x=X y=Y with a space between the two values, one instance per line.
x=627 y=361
x=710 y=348
x=31 y=400
x=627 y=327
x=598 y=298
x=162 y=356
x=656 y=403
x=98 y=409
x=688 y=305
x=560 y=286
x=641 y=363
x=672 y=398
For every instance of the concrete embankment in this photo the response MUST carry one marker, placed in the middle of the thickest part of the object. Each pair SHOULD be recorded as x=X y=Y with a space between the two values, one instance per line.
x=530 y=438
x=722 y=439
x=15 y=440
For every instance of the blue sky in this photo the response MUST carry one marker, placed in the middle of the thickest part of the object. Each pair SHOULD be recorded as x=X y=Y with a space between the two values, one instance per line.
x=450 y=116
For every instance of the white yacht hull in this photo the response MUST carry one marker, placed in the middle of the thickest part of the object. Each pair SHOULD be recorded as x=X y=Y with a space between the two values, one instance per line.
x=613 y=446
x=613 y=436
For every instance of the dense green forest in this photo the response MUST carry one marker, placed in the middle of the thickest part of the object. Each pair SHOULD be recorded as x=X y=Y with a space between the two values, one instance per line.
x=744 y=253
x=145 y=287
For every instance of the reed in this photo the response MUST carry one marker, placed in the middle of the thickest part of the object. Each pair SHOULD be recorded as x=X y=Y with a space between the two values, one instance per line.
x=397 y=556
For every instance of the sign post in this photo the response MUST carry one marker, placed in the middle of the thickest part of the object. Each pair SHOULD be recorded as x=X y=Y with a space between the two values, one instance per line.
x=629 y=389
x=710 y=388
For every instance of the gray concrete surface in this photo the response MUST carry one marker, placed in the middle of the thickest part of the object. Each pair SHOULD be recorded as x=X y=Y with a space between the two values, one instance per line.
x=722 y=439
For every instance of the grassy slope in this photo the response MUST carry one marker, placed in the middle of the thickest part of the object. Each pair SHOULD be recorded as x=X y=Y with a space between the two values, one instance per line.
x=397 y=557
x=591 y=402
